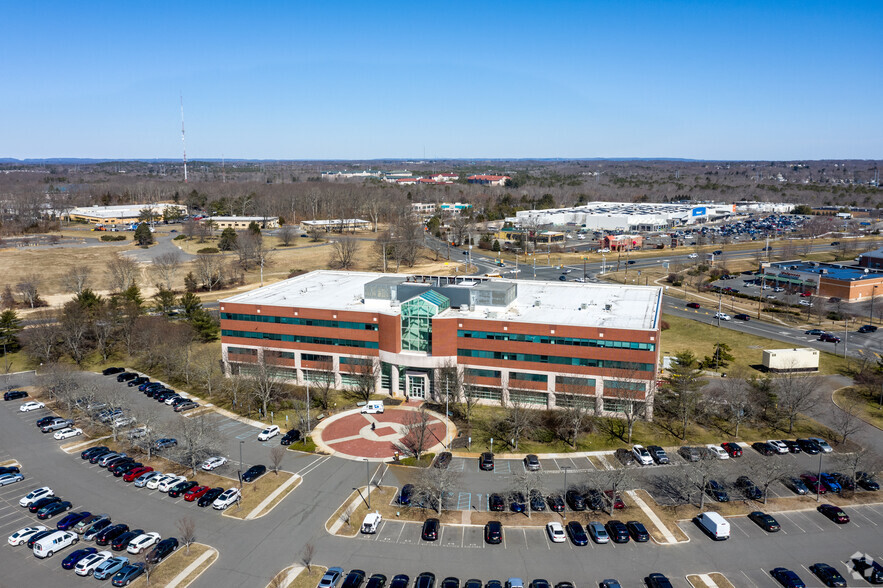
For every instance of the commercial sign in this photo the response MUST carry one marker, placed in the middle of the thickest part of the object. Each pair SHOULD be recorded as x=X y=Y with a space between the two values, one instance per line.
x=699 y=211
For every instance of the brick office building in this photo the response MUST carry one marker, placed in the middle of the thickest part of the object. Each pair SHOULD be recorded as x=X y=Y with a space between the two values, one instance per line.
x=541 y=344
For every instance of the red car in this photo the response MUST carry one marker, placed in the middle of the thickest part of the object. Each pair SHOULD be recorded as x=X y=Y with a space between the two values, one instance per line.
x=813 y=483
x=834 y=513
x=732 y=448
x=617 y=502
x=805 y=294
x=131 y=476
x=195 y=493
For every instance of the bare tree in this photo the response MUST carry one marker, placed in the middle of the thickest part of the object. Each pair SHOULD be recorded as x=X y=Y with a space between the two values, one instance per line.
x=796 y=393
x=27 y=287
x=699 y=473
x=166 y=266
x=846 y=420
x=519 y=419
x=321 y=383
x=859 y=461
x=207 y=370
x=528 y=482
x=76 y=279
x=306 y=555
x=265 y=385
x=764 y=472
x=419 y=437
x=209 y=269
x=43 y=341
x=197 y=439
x=122 y=272
x=365 y=375
x=574 y=418
x=286 y=234
x=186 y=531
x=469 y=398
x=343 y=252
x=277 y=454
x=432 y=486
x=731 y=400
x=74 y=326
x=631 y=401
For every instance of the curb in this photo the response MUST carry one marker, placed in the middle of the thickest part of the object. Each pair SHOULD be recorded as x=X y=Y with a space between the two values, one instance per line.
x=834 y=402
x=256 y=511
x=176 y=581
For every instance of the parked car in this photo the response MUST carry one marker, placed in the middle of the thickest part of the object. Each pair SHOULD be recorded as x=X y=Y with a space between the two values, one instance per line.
x=209 y=497
x=496 y=503
x=537 y=503
x=714 y=489
x=532 y=463
x=690 y=453
x=22 y=535
x=749 y=489
x=195 y=493
x=127 y=574
x=292 y=436
x=170 y=482
x=793 y=446
x=107 y=535
x=213 y=463
x=253 y=473
x=331 y=578
x=87 y=453
x=68 y=521
x=867 y=481
x=575 y=500
x=617 y=502
x=638 y=531
x=518 y=502
x=493 y=533
x=227 y=498
x=617 y=531
x=625 y=457
x=126 y=376
x=84 y=525
x=779 y=446
x=763 y=448
x=658 y=453
x=486 y=462
x=98 y=526
x=813 y=484
x=376 y=581
x=822 y=444
x=598 y=532
x=50 y=510
x=67 y=433
x=715 y=452
x=134 y=473
x=764 y=521
x=14 y=395
x=594 y=499
x=827 y=574
x=268 y=433
x=109 y=567
x=56 y=424
x=162 y=550
x=122 y=540
x=112 y=370
x=186 y=405
x=35 y=495
x=835 y=513
x=787 y=578
x=354 y=579
x=31 y=405
x=808 y=447
x=556 y=503
x=54 y=542
x=145 y=478
x=868 y=569
x=32 y=540
x=87 y=565
x=182 y=488
x=657 y=580
x=732 y=449
x=830 y=482
x=442 y=460
x=642 y=455
x=430 y=529
x=846 y=482
x=406 y=494
x=425 y=580
x=555 y=532
x=576 y=533
x=41 y=502
x=164 y=443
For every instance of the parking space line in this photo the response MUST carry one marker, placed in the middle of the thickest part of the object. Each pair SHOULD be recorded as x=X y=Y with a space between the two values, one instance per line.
x=749 y=579
x=856 y=511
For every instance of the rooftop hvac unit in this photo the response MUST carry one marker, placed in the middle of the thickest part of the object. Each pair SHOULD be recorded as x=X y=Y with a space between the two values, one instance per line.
x=464 y=308
x=583 y=306
x=607 y=307
x=537 y=303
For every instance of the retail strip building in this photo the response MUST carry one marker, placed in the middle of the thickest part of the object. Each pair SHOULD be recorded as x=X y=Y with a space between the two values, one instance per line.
x=540 y=344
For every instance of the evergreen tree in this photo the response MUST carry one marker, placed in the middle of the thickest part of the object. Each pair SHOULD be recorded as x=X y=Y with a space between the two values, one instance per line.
x=254 y=228
x=143 y=236
x=496 y=246
x=10 y=327
x=190 y=282
x=88 y=299
x=227 y=242
x=133 y=294
x=200 y=319
x=164 y=301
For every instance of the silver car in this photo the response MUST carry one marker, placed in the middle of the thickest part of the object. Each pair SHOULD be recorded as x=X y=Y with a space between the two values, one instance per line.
x=598 y=532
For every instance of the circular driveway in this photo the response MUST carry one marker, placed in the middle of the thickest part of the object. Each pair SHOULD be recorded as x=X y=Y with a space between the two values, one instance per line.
x=349 y=434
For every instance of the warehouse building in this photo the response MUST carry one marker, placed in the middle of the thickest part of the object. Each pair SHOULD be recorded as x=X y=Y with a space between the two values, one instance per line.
x=243 y=222
x=624 y=217
x=124 y=214
x=539 y=344
x=848 y=283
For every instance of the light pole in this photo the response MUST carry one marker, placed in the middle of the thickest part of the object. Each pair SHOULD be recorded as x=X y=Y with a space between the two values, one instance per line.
x=564 y=512
x=308 y=411
x=818 y=476
x=368 y=480
x=240 y=466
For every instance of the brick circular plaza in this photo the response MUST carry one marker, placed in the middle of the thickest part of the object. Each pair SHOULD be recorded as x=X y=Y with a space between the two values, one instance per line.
x=349 y=434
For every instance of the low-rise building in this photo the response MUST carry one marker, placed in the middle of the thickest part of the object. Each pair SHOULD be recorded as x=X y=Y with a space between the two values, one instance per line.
x=848 y=283
x=805 y=359
x=243 y=222
x=125 y=213
x=337 y=224
x=488 y=180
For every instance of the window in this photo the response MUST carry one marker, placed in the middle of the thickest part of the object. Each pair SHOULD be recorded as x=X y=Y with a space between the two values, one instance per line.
x=554 y=359
x=477 y=373
x=573 y=400
x=314 y=357
x=619 y=385
x=300 y=339
x=242 y=351
x=525 y=377
x=532 y=398
x=355 y=360
x=484 y=393
x=569 y=382
x=417 y=316
x=306 y=322
x=613 y=405
x=318 y=377
x=549 y=340
x=272 y=354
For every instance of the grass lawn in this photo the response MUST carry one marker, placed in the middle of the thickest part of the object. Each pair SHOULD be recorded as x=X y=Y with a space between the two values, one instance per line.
x=308 y=579
x=381 y=501
x=686 y=334
x=16 y=362
x=867 y=404
x=253 y=493
x=175 y=564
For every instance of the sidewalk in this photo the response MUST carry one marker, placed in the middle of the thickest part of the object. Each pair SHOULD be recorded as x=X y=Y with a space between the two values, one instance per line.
x=669 y=537
x=189 y=569
x=256 y=511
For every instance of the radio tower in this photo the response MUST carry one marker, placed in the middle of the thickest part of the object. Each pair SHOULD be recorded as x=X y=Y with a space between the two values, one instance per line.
x=183 y=142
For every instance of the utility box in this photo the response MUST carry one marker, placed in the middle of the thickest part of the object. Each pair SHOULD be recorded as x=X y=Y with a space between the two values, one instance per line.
x=783 y=361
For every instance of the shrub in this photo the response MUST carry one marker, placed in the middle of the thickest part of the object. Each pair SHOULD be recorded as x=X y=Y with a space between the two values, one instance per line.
x=179 y=237
x=113 y=237
x=663 y=325
x=209 y=250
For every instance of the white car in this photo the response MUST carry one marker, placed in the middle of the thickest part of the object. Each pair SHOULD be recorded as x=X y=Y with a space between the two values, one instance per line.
x=32 y=405
x=67 y=433
x=87 y=565
x=22 y=535
x=716 y=451
x=693 y=255
x=722 y=316
x=214 y=462
x=142 y=542
x=170 y=481
x=804 y=303
x=35 y=495
x=779 y=446
x=268 y=433
x=556 y=532
x=642 y=455
x=154 y=483
x=226 y=499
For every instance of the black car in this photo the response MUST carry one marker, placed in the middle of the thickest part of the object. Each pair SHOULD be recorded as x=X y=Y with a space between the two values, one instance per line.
x=209 y=497
x=486 y=461
x=122 y=540
x=657 y=580
x=763 y=448
x=50 y=510
x=716 y=491
x=137 y=381
x=518 y=502
x=846 y=482
x=14 y=395
x=787 y=578
x=162 y=550
x=658 y=454
x=556 y=503
x=496 y=503
x=182 y=487
x=292 y=436
x=638 y=531
x=425 y=580
x=827 y=574
x=577 y=534
x=493 y=532
x=450 y=582
x=45 y=421
x=869 y=569
x=575 y=500
x=108 y=534
x=9 y=470
x=38 y=504
x=536 y=583
x=867 y=329
x=442 y=461
x=764 y=521
x=376 y=581
x=537 y=503
x=617 y=530
x=406 y=494
x=749 y=489
x=808 y=446
x=400 y=581
x=253 y=473
x=594 y=499
x=118 y=461
x=122 y=468
x=126 y=376
x=472 y=583
x=867 y=481
x=793 y=446
x=430 y=529
x=625 y=457
x=742 y=317
x=354 y=579
x=37 y=536
x=87 y=453
x=112 y=370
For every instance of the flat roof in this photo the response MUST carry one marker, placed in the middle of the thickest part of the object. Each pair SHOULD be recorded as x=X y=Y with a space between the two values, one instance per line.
x=613 y=306
x=123 y=210
x=836 y=272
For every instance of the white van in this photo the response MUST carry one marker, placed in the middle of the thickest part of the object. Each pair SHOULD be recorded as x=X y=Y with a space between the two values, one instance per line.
x=53 y=543
x=373 y=407
x=716 y=525
x=371 y=522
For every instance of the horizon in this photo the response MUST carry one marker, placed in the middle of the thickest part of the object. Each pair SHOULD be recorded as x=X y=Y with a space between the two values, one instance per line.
x=791 y=81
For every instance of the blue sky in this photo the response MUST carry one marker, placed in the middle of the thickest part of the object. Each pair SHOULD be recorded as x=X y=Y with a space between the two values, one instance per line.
x=774 y=79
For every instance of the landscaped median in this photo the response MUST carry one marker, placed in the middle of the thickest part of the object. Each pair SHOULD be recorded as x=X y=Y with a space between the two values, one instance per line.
x=181 y=568
x=9 y=463
x=712 y=580
x=305 y=579
x=262 y=495
x=347 y=520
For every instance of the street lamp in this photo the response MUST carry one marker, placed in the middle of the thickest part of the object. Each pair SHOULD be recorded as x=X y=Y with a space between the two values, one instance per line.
x=368 y=480
x=240 y=465
x=818 y=476
x=564 y=512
